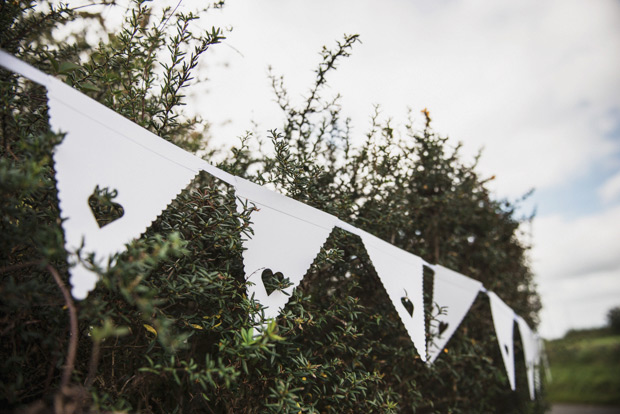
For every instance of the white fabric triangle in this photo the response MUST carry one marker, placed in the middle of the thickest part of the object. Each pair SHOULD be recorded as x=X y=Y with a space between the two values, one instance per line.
x=402 y=276
x=537 y=380
x=503 y=320
x=529 y=352
x=287 y=237
x=454 y=293
x=543 y=361
x=103 y=148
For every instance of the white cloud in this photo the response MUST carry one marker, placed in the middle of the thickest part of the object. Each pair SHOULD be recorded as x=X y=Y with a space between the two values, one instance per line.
x=578 y=303
x=530 y=81
x=577 y=263
x=610 y=190
x=565 y=248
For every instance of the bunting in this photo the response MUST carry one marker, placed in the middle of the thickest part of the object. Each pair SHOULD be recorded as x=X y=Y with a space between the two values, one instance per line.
x=530 y=345
x=287 y=237
x=102 y=151
x=454 y=294
x=402 y=276
x=503 y=320
x=114 y=154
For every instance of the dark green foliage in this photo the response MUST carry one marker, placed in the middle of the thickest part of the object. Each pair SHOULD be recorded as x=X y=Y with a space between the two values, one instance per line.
x=102 y=204
x=168 y=328
x=613 y=319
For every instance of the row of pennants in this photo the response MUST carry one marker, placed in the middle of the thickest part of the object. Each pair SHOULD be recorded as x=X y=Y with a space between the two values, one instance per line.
x=102 y=148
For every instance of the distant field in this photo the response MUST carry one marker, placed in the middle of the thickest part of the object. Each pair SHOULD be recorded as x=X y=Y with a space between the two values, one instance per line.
x=586 y=368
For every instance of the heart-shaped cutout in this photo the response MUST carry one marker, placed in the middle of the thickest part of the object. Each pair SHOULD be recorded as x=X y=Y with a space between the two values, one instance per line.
x=274 y=281
x=442 y=327
x=103 y=208
x=407 y=304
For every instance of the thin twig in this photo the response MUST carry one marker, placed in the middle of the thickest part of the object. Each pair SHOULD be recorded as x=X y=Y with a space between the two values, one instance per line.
x=73 y=338
x=92 y=366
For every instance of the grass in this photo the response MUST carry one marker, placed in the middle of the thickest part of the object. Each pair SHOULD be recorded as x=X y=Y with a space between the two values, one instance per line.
x=585 y=366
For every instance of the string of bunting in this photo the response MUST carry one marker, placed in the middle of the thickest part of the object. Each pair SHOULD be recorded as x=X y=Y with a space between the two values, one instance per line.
x=103 y=149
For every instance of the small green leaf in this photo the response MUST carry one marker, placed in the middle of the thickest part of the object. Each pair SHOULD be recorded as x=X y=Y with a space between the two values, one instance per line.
x=87 y=86
x=53 y=61
x=67 y=67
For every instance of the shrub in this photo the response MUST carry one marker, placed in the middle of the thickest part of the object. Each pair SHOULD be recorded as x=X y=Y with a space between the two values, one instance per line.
x=613 y=319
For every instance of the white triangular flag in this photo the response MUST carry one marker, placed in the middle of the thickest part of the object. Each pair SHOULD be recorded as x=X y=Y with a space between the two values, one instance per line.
x=543 y=361
x=102 y=148
x=529 y=352
x=455 y=294
x=402 y=276
x=287 y=237
x=503 y=320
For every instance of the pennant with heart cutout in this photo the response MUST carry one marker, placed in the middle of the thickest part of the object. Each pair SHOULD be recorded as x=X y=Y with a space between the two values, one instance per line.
x=454 y=294
x=402 y=276
x=287 y=236
x=107 y=161
x=530 y=345
x=503 y=320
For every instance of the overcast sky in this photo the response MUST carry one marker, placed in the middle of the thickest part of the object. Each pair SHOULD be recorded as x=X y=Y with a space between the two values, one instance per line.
x=536 y=83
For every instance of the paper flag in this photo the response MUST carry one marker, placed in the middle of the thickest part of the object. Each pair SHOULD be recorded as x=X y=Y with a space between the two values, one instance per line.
x=102 y=148
x=503 y=320
x=530 y=352
x=543 y=361
x=402 y=276
x=454 y=293
x=287 y=237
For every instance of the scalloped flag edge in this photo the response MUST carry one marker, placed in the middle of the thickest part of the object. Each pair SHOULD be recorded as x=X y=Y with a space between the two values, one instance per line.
x=287 y=236
x=455 y=293
x=503 y=320
x=530 y=353
x=101 y=147
x=401 y=274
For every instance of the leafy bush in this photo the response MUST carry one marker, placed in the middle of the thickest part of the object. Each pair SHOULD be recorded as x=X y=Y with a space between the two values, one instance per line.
x=168 y=328
x=613 y=319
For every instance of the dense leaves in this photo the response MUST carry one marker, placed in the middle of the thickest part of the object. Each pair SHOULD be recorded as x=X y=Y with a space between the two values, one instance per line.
x=613 y=319
x=168 y=328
